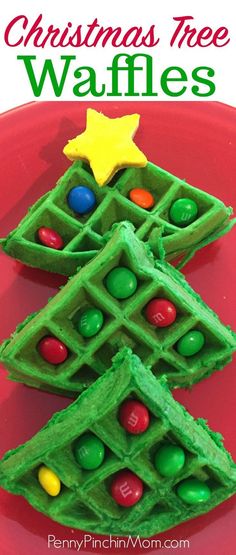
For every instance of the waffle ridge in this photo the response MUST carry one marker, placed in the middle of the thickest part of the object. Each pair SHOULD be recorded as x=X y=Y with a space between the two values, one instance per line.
x=125 y=325
x=85 y=236
x=85 y=501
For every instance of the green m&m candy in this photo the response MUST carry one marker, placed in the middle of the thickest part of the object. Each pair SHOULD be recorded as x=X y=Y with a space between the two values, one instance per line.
x=169 y=460
x=90 y=322
x=191 y=343
x=89 y=451
x=121 y=282
x=193 y=491
x=183 y=212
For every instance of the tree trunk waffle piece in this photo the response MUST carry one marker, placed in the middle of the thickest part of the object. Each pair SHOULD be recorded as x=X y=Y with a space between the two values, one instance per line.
x=85 y=499
x=83 y=235
x=69 y=343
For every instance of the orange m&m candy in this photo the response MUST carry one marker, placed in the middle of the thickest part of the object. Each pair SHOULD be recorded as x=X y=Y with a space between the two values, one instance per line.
x=142 y=198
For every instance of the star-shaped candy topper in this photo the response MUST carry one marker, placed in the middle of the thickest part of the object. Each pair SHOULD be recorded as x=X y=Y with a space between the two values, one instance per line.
x=107 y=145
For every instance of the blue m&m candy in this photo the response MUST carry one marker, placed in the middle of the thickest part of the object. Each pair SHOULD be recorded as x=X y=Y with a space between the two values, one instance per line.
x=81 y=199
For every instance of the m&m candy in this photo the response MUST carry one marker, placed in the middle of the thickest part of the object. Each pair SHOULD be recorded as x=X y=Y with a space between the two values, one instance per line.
x=52 y=350
x=121 y=282
x=142 y=198
x=160 y=313
x=50 y=238
x=49 y=481
x=183 y=212
x=126 y=488
x=191 y=343
x=89 y=451
x=192 y=491
x=81 y=200
x=90 y=322
x=169 y=460
x=134 y=417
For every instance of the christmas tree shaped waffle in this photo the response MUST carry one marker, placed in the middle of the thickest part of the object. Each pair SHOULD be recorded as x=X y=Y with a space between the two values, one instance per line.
x=125 y=458
x=123 y=297
x=68 y=226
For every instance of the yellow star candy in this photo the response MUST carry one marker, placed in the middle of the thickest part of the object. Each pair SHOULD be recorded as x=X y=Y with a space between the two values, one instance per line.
x=107 y=145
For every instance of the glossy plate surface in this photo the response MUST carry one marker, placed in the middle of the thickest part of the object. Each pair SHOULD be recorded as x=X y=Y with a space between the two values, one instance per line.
x=195 y=141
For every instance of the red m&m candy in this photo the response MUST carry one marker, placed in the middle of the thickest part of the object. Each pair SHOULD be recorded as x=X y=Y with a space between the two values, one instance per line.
x=160 y=313
x=142 y=198
x=126 y=488
x=52 y=350
x=50 y=238
x=134 y=417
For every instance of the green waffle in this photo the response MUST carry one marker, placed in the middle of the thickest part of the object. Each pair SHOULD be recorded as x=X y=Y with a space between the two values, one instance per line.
x=85 y=501
x=84 y=236
x=125 y=325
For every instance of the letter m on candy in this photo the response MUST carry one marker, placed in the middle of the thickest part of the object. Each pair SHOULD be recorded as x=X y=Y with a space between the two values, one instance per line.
x=48 y=69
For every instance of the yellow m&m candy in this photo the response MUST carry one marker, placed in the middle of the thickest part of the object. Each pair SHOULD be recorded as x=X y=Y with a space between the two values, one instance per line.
x=49 y=481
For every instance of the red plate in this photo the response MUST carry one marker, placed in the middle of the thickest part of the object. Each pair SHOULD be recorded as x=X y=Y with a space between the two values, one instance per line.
x=193 y=140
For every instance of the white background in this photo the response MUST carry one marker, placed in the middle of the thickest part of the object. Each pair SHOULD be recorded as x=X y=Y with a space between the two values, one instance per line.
x=15 y=87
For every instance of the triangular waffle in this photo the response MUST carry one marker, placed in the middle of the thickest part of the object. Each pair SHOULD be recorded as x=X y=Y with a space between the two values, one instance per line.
x=125 y=324
x=85 y=500
x=83 y=236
